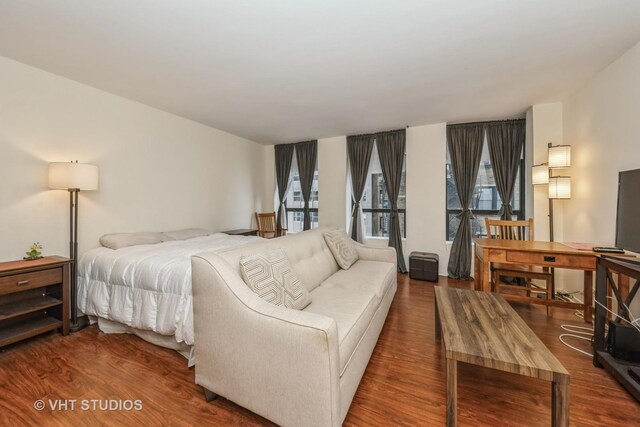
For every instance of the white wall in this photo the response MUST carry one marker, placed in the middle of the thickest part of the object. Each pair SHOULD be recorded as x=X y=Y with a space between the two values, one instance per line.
x=332 y=182
x=157 y=171
x=546 y=126
x=426 y=192
x=602 y=123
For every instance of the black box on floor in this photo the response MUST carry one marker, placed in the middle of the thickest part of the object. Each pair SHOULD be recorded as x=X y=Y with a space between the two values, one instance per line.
x=423 y=266
x=623 y=342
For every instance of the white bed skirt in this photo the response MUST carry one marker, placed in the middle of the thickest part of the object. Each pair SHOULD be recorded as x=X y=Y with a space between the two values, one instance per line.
x=110 y=327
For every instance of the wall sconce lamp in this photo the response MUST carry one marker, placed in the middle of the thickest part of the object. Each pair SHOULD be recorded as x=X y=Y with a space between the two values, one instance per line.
x=558 y=157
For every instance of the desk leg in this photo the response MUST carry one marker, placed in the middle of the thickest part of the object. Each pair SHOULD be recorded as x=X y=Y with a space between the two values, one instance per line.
x=452 y=393
x=588 y=296
x=560 y=404
x=486 y=274
x=477 y=274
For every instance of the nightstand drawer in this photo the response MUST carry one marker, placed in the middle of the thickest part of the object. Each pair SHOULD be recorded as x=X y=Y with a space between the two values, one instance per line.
x=34 y=279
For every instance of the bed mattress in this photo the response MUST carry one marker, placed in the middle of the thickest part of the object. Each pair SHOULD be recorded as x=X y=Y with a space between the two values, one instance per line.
x=146 y=287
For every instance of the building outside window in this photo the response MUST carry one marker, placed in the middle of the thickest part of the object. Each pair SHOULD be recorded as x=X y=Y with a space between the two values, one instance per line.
x=295 y=202
x=375 y=202
x=486 y=200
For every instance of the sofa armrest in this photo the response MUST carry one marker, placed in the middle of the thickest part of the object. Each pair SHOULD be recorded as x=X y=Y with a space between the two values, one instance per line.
x=269 y=359
x=377 y=253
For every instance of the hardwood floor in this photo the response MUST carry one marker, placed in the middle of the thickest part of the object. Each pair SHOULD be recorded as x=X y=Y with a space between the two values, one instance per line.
x=404 y=383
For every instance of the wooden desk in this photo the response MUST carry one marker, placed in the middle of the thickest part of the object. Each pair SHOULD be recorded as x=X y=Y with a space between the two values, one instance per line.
x=544 y=254
x=483 y=329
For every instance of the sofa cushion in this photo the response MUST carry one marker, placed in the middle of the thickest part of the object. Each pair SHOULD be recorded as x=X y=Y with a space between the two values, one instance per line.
x=308 y=254
x=271 y=277
x=352 y=310
x=342 y=248
x=370 y=276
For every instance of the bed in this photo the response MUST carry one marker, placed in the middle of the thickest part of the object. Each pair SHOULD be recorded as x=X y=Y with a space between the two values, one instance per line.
x=146 y=289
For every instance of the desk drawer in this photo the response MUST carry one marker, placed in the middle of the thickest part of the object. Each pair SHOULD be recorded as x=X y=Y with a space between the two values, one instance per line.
x=560 y=261
x=31 y=280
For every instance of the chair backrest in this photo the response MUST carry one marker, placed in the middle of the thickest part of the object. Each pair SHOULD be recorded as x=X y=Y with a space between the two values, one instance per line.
x=266 y=224
x=509 y=230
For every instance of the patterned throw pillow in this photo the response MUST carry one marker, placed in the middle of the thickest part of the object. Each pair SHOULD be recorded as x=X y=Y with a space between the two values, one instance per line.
x=342 y=248
x=271 y=277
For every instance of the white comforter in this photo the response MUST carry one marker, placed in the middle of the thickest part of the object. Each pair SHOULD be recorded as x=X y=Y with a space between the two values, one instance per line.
x=147 y=286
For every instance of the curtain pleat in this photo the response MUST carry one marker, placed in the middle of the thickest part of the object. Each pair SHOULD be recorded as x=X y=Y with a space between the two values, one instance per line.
x=505 y=140
x=284 y=159
x=359 y=149
x=391 y=149
x=306 y=155
x=465 y=149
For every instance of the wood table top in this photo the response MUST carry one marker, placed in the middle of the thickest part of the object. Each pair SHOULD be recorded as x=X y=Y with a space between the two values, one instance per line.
x=47 y=261
x=481 y=328
x=530 y=245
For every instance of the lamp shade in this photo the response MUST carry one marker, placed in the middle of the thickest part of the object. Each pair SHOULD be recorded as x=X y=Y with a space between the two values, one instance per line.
x=540 y=174
x=560 y=156
x=560 y=187
x=73 y=175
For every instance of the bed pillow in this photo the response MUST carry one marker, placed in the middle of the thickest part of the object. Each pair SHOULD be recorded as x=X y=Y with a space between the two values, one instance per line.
x=187 y=233
x=271 y=277
x=342 y=248
x=123 y=240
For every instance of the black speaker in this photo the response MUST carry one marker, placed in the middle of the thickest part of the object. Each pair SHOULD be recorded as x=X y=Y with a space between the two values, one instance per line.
x=623 y=342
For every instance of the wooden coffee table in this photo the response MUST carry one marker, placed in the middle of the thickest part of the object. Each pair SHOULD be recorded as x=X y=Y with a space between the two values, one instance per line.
x=482 y=329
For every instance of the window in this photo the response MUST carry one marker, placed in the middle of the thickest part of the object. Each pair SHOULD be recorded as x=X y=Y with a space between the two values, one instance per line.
x=375 y=202
x=486 y=201
x=295 y=203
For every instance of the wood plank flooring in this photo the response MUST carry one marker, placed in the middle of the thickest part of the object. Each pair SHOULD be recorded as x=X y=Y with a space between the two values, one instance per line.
x=404 y=383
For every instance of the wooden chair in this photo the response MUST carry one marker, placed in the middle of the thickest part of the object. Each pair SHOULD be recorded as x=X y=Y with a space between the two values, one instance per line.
x=267 y=225
x=518 y=230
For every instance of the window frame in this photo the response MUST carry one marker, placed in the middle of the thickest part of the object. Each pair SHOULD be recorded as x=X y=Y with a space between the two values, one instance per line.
x=378 y=210
x=518 y=213
x=296 y=177
x=402 y=211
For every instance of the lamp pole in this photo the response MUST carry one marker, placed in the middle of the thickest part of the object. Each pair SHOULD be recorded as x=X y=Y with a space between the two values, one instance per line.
x=550 y=203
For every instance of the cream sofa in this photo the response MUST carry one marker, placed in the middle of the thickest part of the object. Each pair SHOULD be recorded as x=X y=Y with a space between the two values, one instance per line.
x=295 y=368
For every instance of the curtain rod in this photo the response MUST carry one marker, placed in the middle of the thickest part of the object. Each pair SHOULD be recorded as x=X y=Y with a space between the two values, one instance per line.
x=487 y=122
x=379 y=132
x=296 y=143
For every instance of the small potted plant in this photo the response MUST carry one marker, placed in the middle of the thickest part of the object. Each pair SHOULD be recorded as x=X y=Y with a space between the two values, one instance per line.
x=35 y=252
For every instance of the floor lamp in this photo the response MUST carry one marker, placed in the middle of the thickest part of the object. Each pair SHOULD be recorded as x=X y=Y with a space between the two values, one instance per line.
x=73 y=177
x=559 y=157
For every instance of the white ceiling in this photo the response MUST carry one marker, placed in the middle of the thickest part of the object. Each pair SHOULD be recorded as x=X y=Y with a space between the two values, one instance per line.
x=288 y=70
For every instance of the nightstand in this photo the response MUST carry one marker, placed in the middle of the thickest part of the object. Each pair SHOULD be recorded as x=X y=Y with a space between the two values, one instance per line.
x=242 y=232
x=34 y=298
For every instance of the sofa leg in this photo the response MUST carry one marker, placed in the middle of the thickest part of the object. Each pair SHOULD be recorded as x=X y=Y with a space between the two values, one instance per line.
x=209 y=395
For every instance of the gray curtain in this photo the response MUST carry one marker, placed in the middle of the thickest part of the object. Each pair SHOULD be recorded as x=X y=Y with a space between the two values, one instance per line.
x=505 y=140
x=391 y=149
x=359 y=149
x=306 y=155
x=284 y=158
x=465 y=148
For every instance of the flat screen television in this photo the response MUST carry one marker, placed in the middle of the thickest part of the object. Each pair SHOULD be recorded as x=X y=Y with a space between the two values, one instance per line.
x=628 y=215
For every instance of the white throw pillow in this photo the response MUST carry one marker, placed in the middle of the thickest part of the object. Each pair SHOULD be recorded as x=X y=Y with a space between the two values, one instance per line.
x=271 y=277
x=342 y=248
x=187 y=233
x=123 y=240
